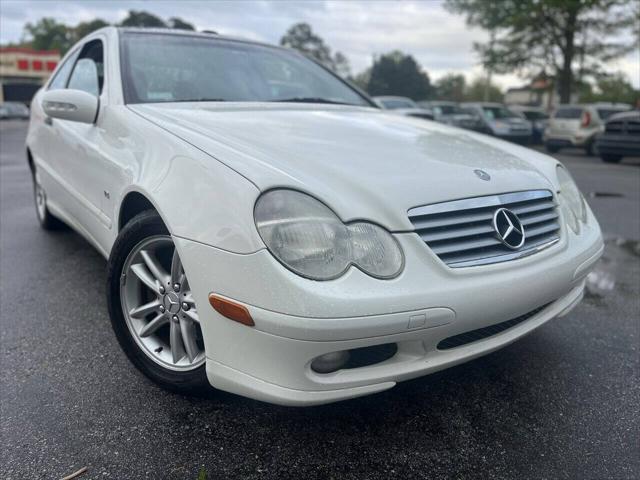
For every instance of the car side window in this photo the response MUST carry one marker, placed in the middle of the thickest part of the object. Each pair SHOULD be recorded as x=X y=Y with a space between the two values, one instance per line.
x=62 y=75
x=88 y=72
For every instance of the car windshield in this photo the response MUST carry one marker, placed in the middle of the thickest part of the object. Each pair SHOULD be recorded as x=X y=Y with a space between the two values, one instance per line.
x=569 y=113
x=185 y=68
x=533 y=115
x=395 y=103
x=497 y=112
x=605 y=113
x=447 y=110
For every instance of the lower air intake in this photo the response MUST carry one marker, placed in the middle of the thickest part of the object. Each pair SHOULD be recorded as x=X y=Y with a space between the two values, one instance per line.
x=486 y=332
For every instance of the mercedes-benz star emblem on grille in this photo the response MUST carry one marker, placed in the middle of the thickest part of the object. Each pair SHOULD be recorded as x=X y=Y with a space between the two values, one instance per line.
x=482 y=175
x=509 y=228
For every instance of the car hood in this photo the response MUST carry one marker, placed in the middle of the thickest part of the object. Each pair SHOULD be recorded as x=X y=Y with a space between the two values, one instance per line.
x=362 y=162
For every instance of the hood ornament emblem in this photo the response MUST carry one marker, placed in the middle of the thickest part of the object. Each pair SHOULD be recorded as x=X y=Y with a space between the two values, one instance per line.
x=482 y=175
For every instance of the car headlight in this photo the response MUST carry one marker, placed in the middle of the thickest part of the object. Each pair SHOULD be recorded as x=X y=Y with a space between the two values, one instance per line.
x=309 y=239
x=571 y=200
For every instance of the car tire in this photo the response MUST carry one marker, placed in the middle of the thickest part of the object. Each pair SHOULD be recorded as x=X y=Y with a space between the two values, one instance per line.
x=45 y=218
x=551 y=148
x=143 y=227
x=611 y=158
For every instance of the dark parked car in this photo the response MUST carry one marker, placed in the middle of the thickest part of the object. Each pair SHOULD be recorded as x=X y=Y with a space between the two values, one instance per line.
x=621 y=137
x=538 y=118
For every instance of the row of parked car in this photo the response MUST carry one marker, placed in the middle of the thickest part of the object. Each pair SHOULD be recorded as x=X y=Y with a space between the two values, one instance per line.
x=613 y=130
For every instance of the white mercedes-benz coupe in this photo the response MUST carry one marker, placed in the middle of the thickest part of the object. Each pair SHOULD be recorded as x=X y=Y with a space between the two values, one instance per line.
x=270 y=232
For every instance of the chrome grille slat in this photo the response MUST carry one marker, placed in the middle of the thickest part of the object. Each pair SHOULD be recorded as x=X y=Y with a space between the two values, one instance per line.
x=465 y=245
x=461 y=232
x=532 y=219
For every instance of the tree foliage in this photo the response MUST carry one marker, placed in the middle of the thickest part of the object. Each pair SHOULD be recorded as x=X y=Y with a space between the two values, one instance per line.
x=451 y=87
x=475 y=91
x=571 y=38
x=398 y=74
x=141 y=18
x=49 y=34
x=178 y=23
x=85 y=28
x=302 y=38
x=611 y=88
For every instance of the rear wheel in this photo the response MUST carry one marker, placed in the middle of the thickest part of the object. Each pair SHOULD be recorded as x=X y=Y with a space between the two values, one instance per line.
x=608 y=158
x=45 y=218
x=152 y=309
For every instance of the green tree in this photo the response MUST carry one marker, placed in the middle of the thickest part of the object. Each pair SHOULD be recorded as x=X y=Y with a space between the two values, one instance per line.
x=570 y=38
x=611 y=88
x=175 y=22
x=451 y=87
x=398 y=74
x=85 y=28
x=142 y=19
x=361 y=80
x=477 y=92
x=48 y=34
x=302 y=38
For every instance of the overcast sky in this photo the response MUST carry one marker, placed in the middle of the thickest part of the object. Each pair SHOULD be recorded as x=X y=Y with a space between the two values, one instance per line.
x=439 y=40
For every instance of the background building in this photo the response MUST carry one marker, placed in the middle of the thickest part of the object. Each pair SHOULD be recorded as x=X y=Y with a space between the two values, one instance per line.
x=23 y=71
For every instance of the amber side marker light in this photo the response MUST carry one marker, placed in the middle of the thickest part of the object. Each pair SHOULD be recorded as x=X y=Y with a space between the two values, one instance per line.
x=231 y=310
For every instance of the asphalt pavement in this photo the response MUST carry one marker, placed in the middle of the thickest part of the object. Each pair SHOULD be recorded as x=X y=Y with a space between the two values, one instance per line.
x=561 y=403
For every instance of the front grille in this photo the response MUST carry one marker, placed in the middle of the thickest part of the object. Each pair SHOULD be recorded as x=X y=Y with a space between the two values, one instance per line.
x=615 y=127
x=486 y=332
x=629 y=126
x=461 y=232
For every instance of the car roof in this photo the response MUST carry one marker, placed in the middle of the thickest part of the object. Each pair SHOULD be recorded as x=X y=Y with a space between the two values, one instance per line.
x=529 y=108
x=621 y=106
x=483 y=104
x=391 y=97
x=192 y=33
x=625 y=115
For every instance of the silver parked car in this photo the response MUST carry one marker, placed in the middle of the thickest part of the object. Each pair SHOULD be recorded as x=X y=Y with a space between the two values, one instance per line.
x=13 y=110
x=499 y=121
x=578 y=125
x=403 y=106
x=450 y=113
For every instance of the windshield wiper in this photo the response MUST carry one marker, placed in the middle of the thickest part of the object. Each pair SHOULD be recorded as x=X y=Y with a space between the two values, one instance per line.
x=311 y=100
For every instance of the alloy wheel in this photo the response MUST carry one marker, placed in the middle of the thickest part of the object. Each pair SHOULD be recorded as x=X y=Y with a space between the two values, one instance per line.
x=159 y=307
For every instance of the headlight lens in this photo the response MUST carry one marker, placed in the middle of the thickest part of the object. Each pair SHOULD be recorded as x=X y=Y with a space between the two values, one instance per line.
x=309 y=239
x=571 y=200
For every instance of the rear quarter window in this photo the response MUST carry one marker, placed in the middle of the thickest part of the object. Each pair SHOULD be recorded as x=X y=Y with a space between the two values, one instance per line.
x=605 y=113
x=569 y=113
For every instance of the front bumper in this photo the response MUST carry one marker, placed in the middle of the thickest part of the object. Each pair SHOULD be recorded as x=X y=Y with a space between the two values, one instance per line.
x=568 y=140
x=297 y=320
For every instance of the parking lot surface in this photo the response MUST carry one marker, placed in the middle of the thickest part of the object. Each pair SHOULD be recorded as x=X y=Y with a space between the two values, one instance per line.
x=563 y=402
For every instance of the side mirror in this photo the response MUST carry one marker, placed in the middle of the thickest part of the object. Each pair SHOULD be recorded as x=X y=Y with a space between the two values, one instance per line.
x=74 y=105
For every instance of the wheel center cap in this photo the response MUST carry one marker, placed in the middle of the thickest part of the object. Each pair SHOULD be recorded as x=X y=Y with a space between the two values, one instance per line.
x=171 y=302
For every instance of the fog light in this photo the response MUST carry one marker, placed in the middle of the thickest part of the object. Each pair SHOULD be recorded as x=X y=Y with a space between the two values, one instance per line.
x=330 y=362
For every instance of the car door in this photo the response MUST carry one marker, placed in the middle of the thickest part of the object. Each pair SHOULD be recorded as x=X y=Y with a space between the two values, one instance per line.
x=81 y=162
